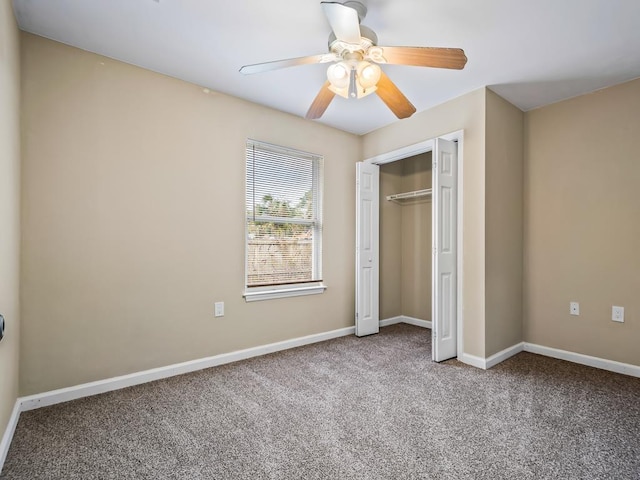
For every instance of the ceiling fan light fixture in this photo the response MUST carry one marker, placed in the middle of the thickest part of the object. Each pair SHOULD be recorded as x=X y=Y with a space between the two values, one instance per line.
x=351 y=79
x=343 y=92
x=362 y=92
x=339 y=75
x=375 y=53
x=368 y=74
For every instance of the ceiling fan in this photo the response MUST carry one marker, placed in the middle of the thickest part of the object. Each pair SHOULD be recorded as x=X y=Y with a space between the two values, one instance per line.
x=354 y=51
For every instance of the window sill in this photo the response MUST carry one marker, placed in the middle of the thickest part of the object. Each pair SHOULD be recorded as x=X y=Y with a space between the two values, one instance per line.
x=270 y=294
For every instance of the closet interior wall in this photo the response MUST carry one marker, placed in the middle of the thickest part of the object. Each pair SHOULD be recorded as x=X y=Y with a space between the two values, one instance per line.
x=405 y=240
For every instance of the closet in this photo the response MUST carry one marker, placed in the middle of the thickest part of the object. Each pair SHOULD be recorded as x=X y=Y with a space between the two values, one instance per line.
x=405 y=260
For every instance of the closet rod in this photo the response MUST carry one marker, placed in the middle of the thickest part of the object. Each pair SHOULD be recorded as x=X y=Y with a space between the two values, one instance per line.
x=409 y=195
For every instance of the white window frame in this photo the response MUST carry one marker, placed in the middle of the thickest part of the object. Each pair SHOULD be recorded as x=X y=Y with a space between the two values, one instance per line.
x=270 y=292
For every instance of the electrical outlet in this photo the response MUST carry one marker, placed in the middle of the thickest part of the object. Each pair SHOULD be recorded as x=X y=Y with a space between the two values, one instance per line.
x=574 y=308
x=617 y=314
x=219 y=309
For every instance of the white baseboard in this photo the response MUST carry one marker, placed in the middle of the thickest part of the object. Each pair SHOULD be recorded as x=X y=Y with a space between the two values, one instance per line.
x=604 y=364
x=416 y=321
x=493 y=360
x=501 y=356
x=391 y=321
x=405 y=319
x=472 y=360
x=101 y=386
x=5 y=442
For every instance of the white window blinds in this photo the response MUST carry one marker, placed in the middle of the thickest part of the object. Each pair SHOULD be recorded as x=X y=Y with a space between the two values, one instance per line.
x=284 y=216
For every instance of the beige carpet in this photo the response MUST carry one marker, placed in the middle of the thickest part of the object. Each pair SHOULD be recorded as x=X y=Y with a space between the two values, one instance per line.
x=350 y=408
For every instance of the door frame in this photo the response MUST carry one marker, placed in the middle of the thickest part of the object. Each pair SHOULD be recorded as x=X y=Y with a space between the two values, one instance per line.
x=428 y=146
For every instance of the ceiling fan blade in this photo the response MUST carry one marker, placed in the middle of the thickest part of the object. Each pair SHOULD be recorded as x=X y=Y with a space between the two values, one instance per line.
x=290 y=62
x=321 y=102
x=394 y=98
x=343 y=20
x=424 y=57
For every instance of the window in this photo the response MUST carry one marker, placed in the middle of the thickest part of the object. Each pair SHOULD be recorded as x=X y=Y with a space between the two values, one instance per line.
x=284 y=222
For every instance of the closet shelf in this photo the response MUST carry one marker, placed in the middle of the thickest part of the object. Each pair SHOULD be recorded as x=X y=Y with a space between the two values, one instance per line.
x=402 y=197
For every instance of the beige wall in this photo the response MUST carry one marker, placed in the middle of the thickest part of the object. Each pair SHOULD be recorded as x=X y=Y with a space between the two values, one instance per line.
x=582 y=228
x=125 y=249
x=504 y=224
x=9 y=208
x=416 y=239
x=390 y=242
x=463 y=113
x=405 y=240
x=133 y=220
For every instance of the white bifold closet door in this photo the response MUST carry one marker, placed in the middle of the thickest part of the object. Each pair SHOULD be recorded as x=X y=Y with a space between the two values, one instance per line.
x=444 y=282
x=367 y=248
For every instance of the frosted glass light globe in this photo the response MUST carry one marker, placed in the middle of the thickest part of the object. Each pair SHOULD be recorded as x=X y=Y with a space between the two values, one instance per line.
x=338 y=75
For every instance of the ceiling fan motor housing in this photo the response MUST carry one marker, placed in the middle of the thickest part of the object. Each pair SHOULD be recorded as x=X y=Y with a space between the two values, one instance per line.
x=359 y=7
x=368 y=39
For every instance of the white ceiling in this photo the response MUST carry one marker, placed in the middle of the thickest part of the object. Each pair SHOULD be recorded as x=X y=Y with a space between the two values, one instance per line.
x=531 y=52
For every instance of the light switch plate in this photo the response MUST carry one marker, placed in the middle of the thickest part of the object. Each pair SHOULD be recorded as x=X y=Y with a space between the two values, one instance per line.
x=219 y=309
x=617 y=314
